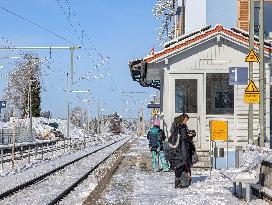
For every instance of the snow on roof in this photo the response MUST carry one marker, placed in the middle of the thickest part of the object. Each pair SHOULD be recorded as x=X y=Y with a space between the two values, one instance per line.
x=202 y=33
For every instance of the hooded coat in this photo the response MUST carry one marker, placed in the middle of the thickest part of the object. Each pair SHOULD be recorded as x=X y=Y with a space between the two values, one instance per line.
x=180 y=155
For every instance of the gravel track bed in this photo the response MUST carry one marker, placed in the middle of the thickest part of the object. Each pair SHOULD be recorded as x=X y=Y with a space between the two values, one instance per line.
x=46 y=190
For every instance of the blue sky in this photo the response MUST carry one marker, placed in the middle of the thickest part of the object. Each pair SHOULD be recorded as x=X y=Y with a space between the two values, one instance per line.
x=121 y=30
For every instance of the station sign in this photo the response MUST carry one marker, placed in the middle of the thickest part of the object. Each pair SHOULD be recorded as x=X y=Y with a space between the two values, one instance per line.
x=153 y=105
x=252 y=94
x=3 y=104
x=238 y=76
x=219 y=130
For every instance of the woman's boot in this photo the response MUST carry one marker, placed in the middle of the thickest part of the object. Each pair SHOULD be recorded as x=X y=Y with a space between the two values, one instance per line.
x=177 y=183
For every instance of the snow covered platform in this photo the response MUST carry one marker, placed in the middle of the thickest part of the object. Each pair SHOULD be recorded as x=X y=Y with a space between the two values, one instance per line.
x=135 y=183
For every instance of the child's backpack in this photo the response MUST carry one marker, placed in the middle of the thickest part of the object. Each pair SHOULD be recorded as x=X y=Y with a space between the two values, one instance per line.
x=154 y=135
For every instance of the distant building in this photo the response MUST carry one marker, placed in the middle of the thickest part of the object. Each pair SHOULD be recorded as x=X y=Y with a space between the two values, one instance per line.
x=207 y=12
x=243 y=16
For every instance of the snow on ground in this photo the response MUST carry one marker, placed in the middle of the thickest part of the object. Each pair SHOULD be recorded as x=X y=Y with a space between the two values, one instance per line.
x=83 y=190
x=22 y=175
x=135 y=183
x=46 y=190
x=252 y=156
x=41 y=127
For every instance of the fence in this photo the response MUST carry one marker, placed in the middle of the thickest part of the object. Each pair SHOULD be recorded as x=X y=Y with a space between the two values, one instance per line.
x=21 y=135
x=38 y=150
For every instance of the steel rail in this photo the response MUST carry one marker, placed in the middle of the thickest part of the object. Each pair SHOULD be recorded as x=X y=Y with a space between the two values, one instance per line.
x=41 y=177
x=81 y=179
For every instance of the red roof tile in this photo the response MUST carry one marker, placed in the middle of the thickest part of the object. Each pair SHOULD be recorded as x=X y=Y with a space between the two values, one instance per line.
x=217 y=29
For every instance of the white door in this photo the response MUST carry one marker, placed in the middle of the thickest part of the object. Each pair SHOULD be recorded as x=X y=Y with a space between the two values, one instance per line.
x=187 y=97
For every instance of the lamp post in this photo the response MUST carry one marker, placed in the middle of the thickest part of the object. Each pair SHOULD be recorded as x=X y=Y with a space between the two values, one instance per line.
x=140 y=113
x=68 y=108
x=88 y=122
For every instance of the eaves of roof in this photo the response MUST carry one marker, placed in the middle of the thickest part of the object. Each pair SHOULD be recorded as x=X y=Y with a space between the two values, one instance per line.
x=237 y=36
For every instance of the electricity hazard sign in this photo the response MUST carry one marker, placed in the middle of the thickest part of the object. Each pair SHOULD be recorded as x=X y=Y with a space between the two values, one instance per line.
x=252 y=57
x=252 y=94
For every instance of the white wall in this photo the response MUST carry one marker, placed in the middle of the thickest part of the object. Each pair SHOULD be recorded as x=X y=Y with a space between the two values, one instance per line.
x=192 y=61
x=195 y=14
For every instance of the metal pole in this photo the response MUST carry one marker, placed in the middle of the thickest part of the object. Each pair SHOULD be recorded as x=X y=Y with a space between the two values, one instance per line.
x=227 y=155
x=88 y=122
x=98 y=116
x=68 y=112
x=30 y=112
x=215 y=149
x=42 y=150
x=28 y=160
x=262 y=76
x=251 y=46
x=143 y=123
x=72 y=63
x=13 y=145
x=40 y=48
x=138 y=123
x=2 y=159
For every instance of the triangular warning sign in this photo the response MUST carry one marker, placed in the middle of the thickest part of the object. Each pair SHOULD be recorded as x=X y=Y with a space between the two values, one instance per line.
x=252 y=88
x=252 y=57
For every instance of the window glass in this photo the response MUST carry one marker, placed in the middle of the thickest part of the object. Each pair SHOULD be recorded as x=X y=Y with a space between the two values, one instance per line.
x=219 y=94
x=186 y=96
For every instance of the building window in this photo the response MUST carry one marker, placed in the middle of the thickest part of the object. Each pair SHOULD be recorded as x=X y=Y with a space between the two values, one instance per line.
x=186 y=96
x=220 y=95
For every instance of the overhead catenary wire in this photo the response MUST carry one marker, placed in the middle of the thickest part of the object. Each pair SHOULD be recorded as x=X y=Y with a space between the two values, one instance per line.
x=85 y=48
x=83 y=31
x=35 y=24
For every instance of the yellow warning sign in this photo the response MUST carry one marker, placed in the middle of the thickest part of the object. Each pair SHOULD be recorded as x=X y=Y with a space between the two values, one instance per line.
x=252 y=57
x=219 y=130
x=154 y=112
x=252 y=94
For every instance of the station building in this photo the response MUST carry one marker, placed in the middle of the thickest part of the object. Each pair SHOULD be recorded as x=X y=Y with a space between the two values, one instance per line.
x=192 y=74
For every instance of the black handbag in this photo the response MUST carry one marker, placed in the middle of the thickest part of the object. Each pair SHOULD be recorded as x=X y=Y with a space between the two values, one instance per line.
x=194 y=157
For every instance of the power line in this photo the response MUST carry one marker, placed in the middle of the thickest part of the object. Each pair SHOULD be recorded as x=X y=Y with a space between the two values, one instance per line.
x=67 y=16
x=80 y=25
x=75 y=31
x=35 y=24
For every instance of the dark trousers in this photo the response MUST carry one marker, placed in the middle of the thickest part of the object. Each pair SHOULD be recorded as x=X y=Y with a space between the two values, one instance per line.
x=184 y=168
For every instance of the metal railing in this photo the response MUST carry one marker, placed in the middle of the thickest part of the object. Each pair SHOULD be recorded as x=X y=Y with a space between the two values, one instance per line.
x=42 y=150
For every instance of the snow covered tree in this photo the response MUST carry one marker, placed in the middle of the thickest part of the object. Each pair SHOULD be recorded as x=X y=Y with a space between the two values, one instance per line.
x=17 y=92
x=78 y=116
x=164 y=11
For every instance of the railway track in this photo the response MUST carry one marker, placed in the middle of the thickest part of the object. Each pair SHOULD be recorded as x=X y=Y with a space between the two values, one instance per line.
x=54 y=185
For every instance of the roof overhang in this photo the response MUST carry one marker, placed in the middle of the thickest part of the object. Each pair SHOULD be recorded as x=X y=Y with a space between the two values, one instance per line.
x=139 y=68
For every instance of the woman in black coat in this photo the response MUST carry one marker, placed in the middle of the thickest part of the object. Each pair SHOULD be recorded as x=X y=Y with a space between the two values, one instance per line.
x=180 y=156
